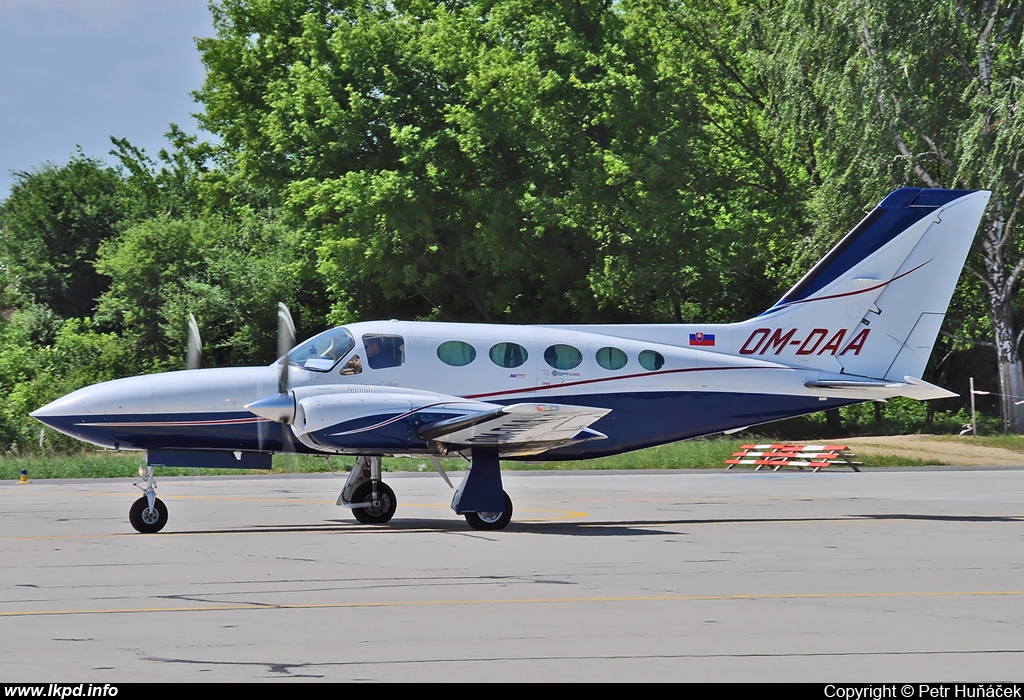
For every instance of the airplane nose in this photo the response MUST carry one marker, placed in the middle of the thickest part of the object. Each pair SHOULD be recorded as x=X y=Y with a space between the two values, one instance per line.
x=158 y=409
x=83 y=414
x=134 y=394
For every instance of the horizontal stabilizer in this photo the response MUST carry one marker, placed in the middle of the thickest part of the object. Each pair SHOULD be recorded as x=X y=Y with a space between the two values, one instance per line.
x=875 y=389
x=519 y=429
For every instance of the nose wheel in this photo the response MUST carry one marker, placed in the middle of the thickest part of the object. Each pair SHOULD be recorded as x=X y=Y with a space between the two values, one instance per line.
x=148 y=514
x=148 y=519
x=491 y=520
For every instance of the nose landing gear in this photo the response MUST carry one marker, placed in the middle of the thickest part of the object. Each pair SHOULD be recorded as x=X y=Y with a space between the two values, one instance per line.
x=148 y=514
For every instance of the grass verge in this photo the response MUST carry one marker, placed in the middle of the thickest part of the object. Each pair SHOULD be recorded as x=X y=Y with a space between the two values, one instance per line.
x=704 y=453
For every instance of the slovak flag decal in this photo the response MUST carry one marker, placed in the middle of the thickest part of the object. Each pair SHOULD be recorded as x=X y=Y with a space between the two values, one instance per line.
x=702 y=339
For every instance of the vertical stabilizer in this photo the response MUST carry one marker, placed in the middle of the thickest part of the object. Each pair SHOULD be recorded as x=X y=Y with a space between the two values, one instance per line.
x=874 y=304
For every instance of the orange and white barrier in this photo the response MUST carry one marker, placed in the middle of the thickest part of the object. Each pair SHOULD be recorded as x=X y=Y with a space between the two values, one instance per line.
x=777 y=456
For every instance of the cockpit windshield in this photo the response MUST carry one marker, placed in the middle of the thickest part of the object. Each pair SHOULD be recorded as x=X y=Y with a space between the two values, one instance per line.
x=322 y=352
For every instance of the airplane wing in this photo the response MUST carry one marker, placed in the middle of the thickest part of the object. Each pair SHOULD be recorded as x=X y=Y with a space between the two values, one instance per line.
x=519 y=429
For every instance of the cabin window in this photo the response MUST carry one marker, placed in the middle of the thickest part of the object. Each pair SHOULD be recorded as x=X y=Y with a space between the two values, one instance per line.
x=322 y=352
x=384 y=350
x=563 y=356
x=456 y=353
x=508 y=354
x=649 y=359
x=611 y=358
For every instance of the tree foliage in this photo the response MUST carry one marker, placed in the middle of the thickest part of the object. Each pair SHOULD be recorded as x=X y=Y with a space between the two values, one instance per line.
x=876 y=103
x=452 y=159
x=517 y=161
x=51 y=226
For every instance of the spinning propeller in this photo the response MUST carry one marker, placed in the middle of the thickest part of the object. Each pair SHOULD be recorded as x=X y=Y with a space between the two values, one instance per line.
x=195 y=344
x=282 y=403
x=285 y=342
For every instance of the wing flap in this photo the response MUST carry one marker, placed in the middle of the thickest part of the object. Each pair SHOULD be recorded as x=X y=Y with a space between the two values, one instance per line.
x=519 y=429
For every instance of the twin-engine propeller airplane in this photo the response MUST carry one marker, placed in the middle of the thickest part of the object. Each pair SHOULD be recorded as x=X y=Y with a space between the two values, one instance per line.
x=859 y=326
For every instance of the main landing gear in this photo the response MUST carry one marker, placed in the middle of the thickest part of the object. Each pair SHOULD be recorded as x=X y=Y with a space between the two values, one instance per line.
x=148 y=514
x=494 y=520
x=380 y=506
x=371 y=500
x=479 y=499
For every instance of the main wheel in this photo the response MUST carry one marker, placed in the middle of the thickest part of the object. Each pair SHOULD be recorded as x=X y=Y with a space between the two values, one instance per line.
x=491 y=521
x=382 y=509
x=147 y=520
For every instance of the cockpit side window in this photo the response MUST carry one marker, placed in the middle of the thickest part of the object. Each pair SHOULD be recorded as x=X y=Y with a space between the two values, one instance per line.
x=384 y=350
x=322 y=352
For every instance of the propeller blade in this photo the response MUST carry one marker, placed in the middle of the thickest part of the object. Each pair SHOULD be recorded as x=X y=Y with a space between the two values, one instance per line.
x=195 y=344
x=285 y=342
x=285 y=330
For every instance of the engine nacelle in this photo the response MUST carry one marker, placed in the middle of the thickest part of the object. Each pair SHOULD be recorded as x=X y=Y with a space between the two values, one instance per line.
x=350 y=417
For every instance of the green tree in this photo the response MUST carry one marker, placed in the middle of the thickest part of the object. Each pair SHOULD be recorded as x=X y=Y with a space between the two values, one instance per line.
x=42 y=358
x=522 y=160
x=880 y=103
x=229 y=273
x=51 y=227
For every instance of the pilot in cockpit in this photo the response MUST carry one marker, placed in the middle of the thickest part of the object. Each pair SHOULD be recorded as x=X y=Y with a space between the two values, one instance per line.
x=353 y=366
x=383 y=351
x=373 y=346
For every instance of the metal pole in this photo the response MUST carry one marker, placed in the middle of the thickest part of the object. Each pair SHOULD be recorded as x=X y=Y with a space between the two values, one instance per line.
x=974 y=420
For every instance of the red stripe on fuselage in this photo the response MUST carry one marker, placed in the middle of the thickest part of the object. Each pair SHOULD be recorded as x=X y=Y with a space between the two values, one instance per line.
x=611 y=379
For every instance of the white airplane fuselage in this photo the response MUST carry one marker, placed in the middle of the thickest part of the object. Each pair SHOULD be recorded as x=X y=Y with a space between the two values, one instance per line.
x=683 y=392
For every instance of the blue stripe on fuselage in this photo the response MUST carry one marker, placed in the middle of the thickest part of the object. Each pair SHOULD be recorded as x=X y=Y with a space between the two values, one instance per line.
x=212 y=431
x=649 y=419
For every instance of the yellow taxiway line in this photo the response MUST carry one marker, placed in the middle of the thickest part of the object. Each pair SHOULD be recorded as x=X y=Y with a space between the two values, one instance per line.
x=512 y=601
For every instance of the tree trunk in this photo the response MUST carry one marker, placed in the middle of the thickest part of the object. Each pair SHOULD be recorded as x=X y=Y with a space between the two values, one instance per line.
x=1000 y=281
x=834 y=421
x=1011 y=386
x=1011 y=373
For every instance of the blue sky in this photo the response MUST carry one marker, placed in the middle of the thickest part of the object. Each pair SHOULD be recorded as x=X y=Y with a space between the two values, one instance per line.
x=73 y=73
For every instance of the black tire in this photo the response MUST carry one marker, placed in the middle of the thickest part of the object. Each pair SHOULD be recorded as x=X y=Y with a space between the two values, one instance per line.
x=491 y=521
x=145 y=520
x=375 y=515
